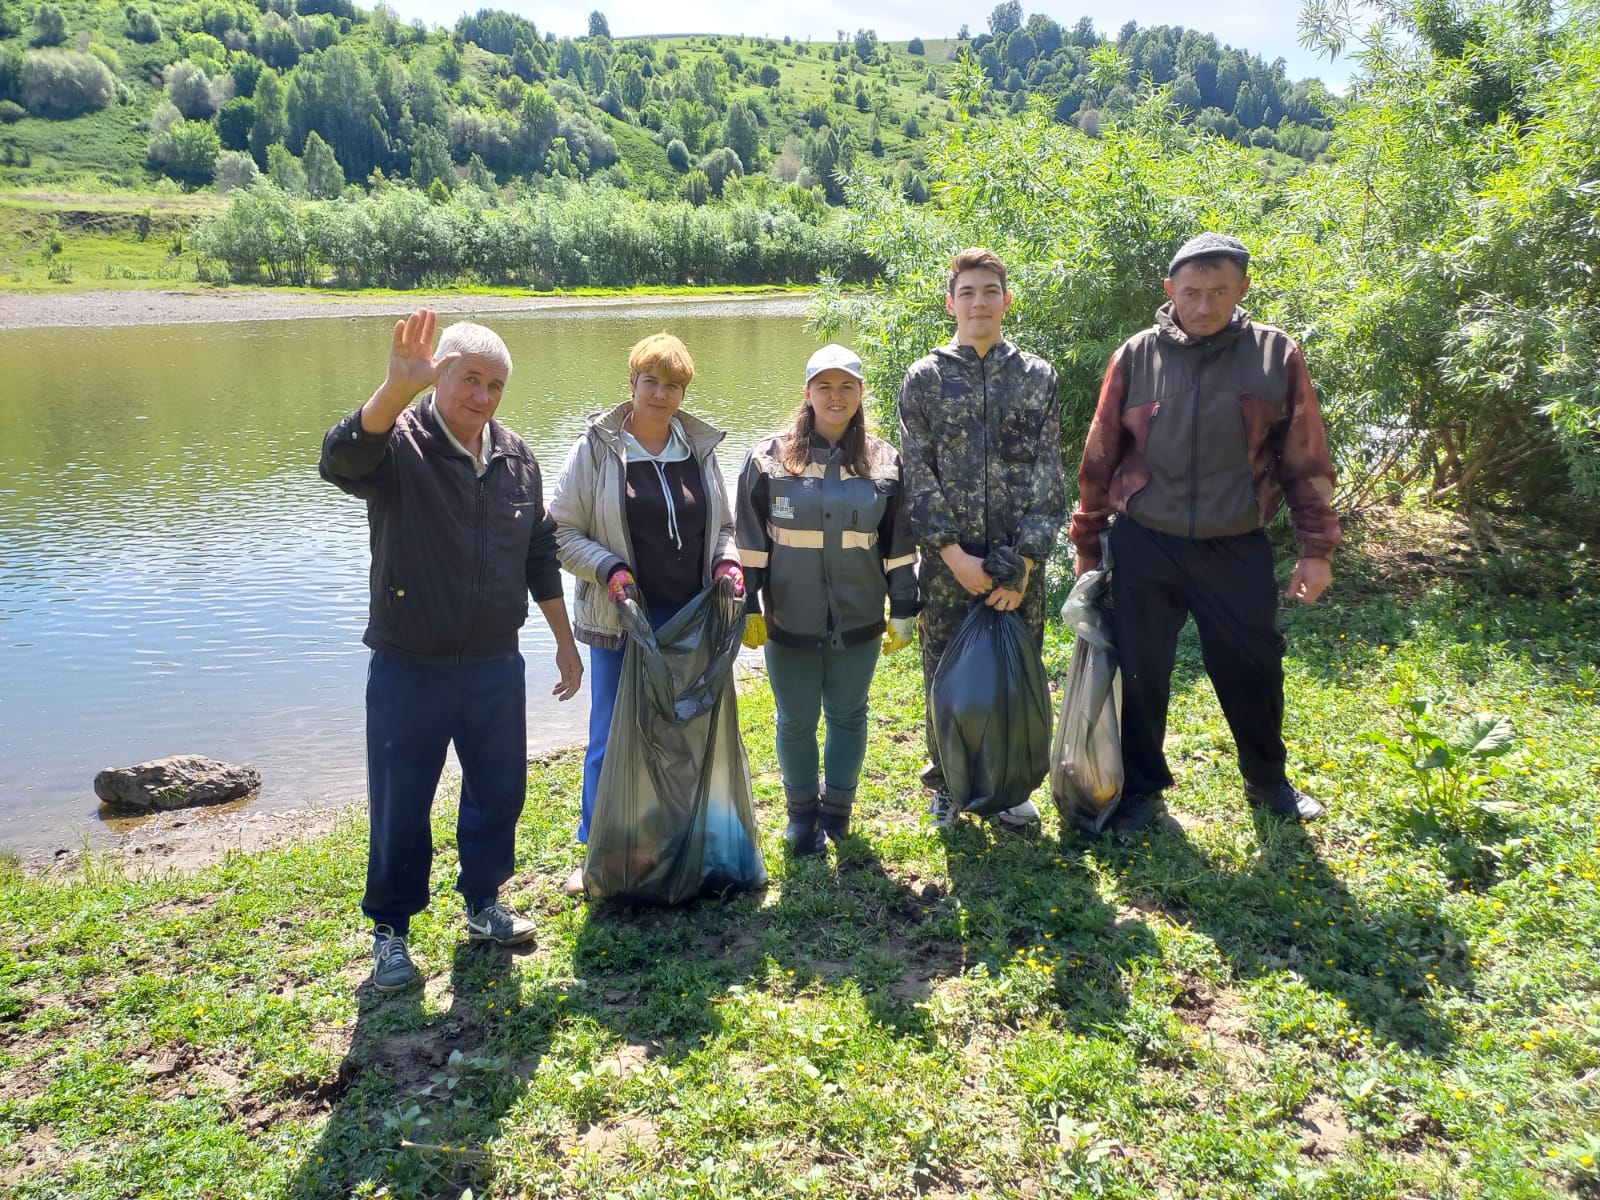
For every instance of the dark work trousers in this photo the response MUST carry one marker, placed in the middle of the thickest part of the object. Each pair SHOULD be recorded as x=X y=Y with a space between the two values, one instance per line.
x=414 y=711
x=945 y=604
x=1227 y=585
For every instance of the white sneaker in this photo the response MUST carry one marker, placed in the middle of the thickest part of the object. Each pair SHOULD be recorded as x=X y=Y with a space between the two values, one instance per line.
x=943 y=809
x=1026 y=813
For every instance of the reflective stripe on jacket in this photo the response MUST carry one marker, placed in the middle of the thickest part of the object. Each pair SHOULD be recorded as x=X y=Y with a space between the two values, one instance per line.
x=822 y=549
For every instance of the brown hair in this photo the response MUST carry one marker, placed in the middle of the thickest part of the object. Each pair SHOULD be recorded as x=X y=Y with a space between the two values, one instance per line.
x=975 y=258
x=662 y=355
x=796 y=454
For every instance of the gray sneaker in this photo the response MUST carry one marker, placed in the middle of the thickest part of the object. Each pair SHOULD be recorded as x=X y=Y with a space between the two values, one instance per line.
x=1020 y=816
x=943 y=809
x=392 y=968
x=501 y=924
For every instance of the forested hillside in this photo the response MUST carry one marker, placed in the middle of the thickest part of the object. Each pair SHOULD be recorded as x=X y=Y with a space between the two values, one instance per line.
x=320 y=95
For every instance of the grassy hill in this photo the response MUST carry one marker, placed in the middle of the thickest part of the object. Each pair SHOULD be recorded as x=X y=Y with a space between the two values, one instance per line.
x=158 y=94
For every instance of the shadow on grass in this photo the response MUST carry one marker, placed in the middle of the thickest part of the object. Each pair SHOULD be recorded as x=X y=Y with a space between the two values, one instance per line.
x=1288 y=912
x=1030 y=899
x=657 y=974
x=420 y=1095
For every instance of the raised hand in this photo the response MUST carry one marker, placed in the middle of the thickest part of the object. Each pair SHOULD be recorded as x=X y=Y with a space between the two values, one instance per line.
x=412 y=367
x=412 y=370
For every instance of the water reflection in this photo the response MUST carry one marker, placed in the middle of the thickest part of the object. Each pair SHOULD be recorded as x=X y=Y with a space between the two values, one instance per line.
x=174 y=578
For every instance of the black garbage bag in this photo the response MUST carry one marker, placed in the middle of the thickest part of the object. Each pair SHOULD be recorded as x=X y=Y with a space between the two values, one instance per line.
x=1086 y=762
x=990 y=707
x=673 y=817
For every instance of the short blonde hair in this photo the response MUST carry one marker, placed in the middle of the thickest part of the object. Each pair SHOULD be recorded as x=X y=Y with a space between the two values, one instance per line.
x=664 y=356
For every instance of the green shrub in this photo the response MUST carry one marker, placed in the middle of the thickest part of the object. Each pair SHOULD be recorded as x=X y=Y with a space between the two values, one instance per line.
x=143 y=25
x=49 y=26
x=64 y=83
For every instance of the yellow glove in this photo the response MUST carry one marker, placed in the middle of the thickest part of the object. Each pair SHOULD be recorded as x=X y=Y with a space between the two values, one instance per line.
x=897 y=635
x=755 y=631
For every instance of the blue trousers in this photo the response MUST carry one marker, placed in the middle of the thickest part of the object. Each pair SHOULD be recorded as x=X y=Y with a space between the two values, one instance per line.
x=605 y=675
x=810 y=684
x=414 y=712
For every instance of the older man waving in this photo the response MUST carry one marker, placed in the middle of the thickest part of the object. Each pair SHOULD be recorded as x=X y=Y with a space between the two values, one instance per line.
x=459 y=538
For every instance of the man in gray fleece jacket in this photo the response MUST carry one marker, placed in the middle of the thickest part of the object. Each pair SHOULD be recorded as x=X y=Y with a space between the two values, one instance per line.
x=1204 y=421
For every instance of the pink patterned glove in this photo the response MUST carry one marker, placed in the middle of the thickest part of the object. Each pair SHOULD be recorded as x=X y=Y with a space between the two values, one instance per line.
x=621 y=586
x=728 y=569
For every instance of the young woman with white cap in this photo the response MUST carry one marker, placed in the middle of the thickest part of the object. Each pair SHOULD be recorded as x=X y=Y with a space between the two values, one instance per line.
x=825 y=540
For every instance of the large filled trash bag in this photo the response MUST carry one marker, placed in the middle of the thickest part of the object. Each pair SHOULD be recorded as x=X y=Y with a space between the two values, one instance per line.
x=673 y=818
x=990 y=708
x=1086 y=762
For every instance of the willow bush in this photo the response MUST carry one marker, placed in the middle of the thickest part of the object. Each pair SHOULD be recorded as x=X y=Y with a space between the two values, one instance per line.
x=566 y=236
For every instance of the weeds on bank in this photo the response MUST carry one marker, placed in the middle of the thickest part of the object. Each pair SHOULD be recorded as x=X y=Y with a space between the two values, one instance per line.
x=1233 y=1008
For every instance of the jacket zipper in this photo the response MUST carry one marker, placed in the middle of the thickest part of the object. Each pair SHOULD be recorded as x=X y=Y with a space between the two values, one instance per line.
x=983 y=374
x=482 y=556
x=1194 y=451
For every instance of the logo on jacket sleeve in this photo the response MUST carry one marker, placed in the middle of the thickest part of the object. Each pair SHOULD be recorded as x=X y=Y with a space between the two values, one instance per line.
x=782 y=508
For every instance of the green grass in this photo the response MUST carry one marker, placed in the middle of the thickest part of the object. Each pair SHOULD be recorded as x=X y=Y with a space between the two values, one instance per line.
x=1369 y=1007
x=77 y=241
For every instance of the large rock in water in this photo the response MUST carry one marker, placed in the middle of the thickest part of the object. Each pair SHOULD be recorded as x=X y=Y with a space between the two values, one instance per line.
x=177 y=782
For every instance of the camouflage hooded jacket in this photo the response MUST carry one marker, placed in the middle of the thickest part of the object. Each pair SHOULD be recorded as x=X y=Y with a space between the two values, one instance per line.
x=981 y=442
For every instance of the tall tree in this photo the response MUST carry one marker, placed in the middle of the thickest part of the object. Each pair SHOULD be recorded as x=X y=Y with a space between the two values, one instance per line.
x=742 y=135
x=1006 y=17
x=324 y=175
x=271 y=116
x=333 y=94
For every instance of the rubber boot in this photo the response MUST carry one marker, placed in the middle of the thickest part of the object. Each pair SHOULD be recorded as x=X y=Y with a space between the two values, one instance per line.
x=834 y=820
x=802 y=833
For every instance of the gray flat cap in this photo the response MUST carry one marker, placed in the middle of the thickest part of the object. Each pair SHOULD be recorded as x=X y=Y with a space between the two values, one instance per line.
x=1210 y=245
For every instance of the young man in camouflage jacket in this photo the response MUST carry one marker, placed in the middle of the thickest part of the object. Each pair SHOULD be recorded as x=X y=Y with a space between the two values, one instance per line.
x=980 y=438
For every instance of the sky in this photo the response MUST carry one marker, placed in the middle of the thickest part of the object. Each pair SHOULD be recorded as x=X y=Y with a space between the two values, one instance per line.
x=1264 y=27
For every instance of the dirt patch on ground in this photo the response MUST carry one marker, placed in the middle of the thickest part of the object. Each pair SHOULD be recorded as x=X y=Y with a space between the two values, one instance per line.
x=1224 y=1021
x=1402 y=552
x=189 y=840
x=927 y=962
x=1324 y=1130
x=34 y=1153
x=612 y=1141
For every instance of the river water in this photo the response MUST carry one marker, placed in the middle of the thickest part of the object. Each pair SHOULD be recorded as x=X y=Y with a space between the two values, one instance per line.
x=175 y=578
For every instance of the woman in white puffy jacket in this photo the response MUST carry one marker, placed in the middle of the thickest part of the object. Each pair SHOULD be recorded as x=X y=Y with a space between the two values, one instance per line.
x=641 y=511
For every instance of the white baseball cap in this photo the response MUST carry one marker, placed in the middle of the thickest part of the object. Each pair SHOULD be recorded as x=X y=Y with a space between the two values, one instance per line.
x=834 y=357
